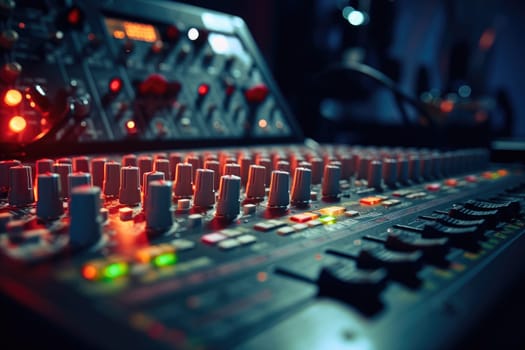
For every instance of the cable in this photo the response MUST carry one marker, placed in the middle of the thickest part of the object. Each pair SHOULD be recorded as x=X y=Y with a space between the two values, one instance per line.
x=384 y=81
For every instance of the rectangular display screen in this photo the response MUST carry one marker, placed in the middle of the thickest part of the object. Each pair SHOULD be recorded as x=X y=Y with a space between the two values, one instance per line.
x=120 y=29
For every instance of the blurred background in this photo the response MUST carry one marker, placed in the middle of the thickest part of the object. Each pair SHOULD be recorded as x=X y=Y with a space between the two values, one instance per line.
x=445 y=73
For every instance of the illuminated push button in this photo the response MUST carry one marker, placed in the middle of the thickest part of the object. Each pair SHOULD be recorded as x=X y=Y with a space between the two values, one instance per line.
x=78 y=179
x=20 y=186
x=304 y=217
x=111 y=183
x=327 y=219
x=228 y=244
x=228 y=203
x=81 y=164
x=451 y=182
x=105 y=269
x=434 y=187
x=471 y=178
x=279 y=196
x=5 y=165
x=63 y=169
x=213 y=238
x=256 y=93
x=129 y=160
x=84 y=210
x=302 y=181
x=129 y=191
x=330 y=184
x=285 y=231
x=159 y=216
x=255 y=189
x=204 y=196
x=163 y=166
x=391 y=202
x=97 y=171
x=333 y=211
x=183 y=185
x=158 y=255
x=145 y=164
x=370 y=200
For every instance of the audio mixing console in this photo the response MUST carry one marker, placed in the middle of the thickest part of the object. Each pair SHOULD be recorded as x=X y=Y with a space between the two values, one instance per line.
x=156 y=192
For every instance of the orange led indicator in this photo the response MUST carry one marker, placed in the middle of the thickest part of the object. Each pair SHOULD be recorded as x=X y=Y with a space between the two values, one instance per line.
x=12 y=98
x=263 y=123
x=446 y=106
x=503 y=172
x=89 y=272
x=119 y=34
x=370 y=201
x=17 y=124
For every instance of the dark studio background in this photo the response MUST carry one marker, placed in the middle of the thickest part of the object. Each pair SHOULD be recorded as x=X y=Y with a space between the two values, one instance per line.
x=424 y=46
x=431 y=45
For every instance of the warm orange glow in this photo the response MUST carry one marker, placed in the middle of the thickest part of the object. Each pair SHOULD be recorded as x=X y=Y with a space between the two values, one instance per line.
x=503 y=172
x=262 y=276
x=446 y=106
x=487 y=39
x=143 y=256
x=32 y=104
x=17 y=123
x=89 y=272
x=12 y=98
x=119 y=34
x=263 y=123
x=140 y=31
x=130 y=124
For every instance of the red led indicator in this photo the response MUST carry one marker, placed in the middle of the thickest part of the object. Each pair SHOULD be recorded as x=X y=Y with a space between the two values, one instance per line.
x=12 y=98
x=17 y=124
x=115 y=85
x=89 y=272
x=203 y=89
x=74 y=16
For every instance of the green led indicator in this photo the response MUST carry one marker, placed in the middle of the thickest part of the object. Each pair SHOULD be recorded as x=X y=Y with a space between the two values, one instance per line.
x=116 y=270
x=327 y=219
x=165 y=259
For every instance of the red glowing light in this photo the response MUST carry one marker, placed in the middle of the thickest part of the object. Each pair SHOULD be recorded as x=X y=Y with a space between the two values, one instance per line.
x=21 y=25
x=17 y=124
x=89 y=272
x=115 y=85
x=12 y=98
x=74 y=16
x=487 y=39
x=446 y=106
x=203 y=89
x=172 y=33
